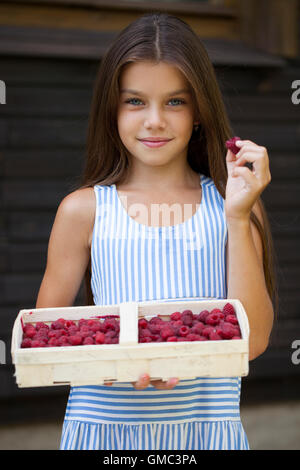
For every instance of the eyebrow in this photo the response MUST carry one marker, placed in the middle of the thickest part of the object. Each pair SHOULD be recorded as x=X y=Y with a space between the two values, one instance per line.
x=136 y=92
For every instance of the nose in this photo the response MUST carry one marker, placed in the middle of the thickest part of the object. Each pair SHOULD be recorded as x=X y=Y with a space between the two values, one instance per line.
x=154 y=118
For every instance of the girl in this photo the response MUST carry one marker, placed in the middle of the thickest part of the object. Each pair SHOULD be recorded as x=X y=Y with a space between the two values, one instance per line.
x=157 y=83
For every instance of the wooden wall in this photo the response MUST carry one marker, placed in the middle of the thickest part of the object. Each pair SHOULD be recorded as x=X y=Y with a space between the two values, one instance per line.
x=42 y=136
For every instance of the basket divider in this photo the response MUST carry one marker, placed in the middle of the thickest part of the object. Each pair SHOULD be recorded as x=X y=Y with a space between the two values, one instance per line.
x=128 y=323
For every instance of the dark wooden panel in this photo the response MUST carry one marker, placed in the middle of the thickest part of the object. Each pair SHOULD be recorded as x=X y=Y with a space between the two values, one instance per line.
x=23 y=258
x=3 y=131
x=259 y=81
x=44 y=72
x=46 y=132
x=46 y=101
x=87 y=45
x=279 y=195
x=278 y=136
x=284 y=166
x=20 y=290
x=262 y=107
x=29 y=227
x=273 y=363
x=287 y=250
x=285 y=224
x=33 y=194
x=43 y=163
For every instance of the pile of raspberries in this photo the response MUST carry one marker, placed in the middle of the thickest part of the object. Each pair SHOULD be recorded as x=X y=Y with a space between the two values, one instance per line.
x=214 y=325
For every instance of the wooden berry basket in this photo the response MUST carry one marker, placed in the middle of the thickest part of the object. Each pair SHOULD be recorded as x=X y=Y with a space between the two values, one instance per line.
x=124 y=362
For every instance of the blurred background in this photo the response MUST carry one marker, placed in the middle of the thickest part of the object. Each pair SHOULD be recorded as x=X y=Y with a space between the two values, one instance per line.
x=49 y=55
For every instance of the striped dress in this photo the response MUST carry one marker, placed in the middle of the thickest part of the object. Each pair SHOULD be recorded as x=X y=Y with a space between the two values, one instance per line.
x=136 y=262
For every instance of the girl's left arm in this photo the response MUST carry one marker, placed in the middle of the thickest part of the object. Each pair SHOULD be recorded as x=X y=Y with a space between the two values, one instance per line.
x=245 y=273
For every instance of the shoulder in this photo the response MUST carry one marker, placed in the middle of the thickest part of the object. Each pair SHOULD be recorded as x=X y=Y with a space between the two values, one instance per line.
x=79 y=208
x=80 y=202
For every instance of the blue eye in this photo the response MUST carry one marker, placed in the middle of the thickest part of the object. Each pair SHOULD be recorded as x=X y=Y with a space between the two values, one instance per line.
x=129 y=101
x=177 y=99
x=132 y=99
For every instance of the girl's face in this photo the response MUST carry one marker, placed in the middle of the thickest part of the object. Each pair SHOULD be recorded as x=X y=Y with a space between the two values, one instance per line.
x=153 y=109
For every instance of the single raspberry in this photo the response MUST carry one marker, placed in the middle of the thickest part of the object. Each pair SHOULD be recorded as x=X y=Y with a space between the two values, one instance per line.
x=232 y=319
x=99 y=338
x=228 y=330
x=111 y=334
x=198 y=327
x=59 y=333
x=88 y=340
x=156 y=319
x=53 y=342
x=75 y=340
x=142 y=323
x=175 y=316
x=154 y=327
x=145 y=332
x=177 y=323
x=214 y=336
x=26 y=343
x=84 y=332
x=42 y=333
x=94 y=325
x=30 y=331
x=207 y=330
x=72 y=330
x=230 y=144
x=228 y=309
x=58 y=324
x=63 y=341
x=167 y=331
x=202 y=315
x=172 y=338
x=110 y=324
x=187 y=317
x=155 y=338
x=183 y=330
x=52 y=334
x=213 y=319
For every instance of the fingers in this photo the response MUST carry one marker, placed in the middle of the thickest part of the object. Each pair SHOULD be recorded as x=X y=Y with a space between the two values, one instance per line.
x=258 y=157
x=168 y=385
x=144 y=382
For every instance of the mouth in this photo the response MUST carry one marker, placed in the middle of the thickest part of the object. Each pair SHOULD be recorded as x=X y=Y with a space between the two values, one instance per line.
x=155 y=139
x=154 y=143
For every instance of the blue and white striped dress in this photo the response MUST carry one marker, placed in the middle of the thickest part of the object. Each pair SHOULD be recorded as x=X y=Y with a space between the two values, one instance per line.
x=135 y=262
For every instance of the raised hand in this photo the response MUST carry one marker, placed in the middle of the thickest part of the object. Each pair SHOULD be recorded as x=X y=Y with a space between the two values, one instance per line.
x=244 y=186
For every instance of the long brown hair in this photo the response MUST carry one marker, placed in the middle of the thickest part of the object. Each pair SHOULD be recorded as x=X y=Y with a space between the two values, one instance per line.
x=160 y=37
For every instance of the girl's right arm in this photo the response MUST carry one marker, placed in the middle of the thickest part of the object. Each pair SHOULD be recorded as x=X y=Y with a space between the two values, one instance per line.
x=68 y=251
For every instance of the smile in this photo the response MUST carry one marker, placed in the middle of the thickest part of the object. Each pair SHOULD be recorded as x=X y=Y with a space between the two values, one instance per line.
x=154 y=144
